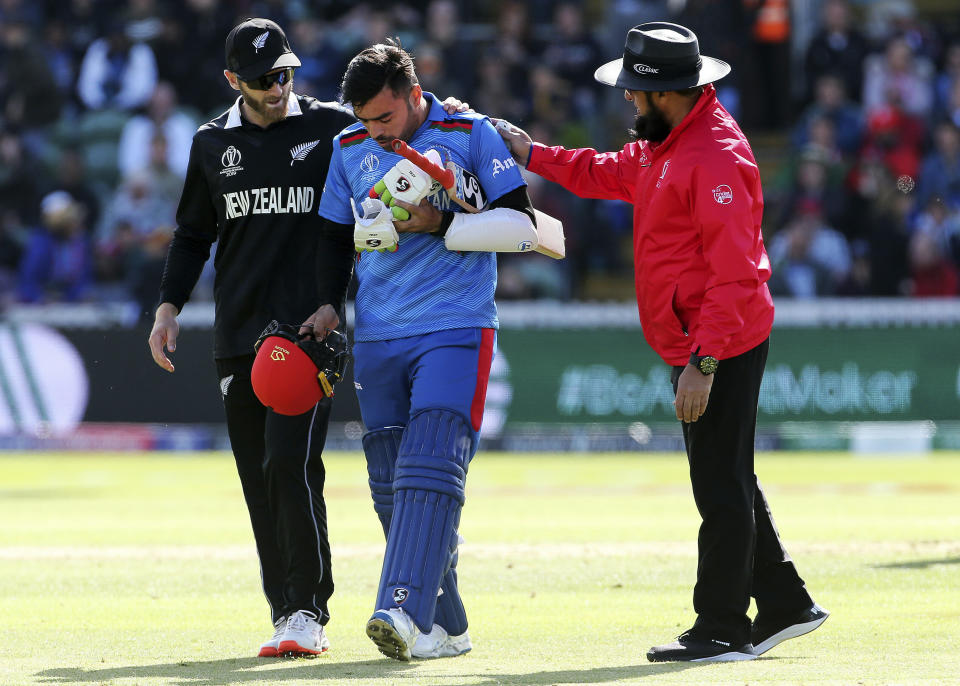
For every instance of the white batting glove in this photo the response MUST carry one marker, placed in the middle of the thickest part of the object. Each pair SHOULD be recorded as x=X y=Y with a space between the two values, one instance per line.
x=407 y=182
x=374 y=231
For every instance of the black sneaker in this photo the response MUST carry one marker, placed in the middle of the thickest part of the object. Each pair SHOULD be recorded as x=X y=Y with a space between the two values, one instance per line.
x=689 y=648
x=768 y=633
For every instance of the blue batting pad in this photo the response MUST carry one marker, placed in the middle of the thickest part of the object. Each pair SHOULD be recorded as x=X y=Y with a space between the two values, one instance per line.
x=428 y=495
x=381 y=447
x=451 y=614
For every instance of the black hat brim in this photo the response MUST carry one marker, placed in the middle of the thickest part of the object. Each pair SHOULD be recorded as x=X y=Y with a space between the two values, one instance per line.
x=613 y=74
x=258 y=69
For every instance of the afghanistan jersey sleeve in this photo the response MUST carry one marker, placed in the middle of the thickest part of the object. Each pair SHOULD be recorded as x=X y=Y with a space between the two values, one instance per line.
x=494 y=166
x=335 y=200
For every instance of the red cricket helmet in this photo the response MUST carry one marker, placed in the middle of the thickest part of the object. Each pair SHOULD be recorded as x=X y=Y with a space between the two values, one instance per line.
x=291 y=373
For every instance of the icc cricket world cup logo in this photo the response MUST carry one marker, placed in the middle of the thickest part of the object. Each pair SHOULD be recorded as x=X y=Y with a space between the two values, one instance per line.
x=230 y=157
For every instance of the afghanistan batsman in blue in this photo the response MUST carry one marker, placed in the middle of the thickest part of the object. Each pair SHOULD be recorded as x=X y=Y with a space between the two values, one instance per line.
x=425 y=327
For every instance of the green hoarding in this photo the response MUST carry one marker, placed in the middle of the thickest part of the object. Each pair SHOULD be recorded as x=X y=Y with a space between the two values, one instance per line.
x=813 y=374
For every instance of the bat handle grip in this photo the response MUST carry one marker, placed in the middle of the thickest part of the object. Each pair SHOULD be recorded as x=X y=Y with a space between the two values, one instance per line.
x=444 y=176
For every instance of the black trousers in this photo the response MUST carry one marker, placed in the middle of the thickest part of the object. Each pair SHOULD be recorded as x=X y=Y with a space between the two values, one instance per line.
x=282 y=474
x=739 y=550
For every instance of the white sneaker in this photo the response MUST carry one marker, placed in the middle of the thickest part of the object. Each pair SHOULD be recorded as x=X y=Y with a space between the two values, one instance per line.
x=394 y=632
x=271 y=648
x=303 y=636
x=438 y=643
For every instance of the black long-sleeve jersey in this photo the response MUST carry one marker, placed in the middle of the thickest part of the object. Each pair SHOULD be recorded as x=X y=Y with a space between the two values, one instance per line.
x=257 y=191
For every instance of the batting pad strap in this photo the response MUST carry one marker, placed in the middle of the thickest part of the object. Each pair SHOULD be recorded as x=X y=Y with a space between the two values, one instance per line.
x=498 y=230
x=439 y=432
x=433 y=474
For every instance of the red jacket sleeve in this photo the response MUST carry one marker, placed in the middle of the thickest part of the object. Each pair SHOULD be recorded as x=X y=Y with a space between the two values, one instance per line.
x=727 y=208
x=587 y=173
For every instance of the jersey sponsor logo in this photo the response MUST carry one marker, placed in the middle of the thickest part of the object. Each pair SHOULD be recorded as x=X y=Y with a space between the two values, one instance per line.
x=279 y=354
x=468 y=188
x=645 y=69
x=502 y=165
x=260 y=40
x=399 y=595
x=271 y=200
x=300 y=152
x=723 y=194
x=370 y=163
x=230 y=159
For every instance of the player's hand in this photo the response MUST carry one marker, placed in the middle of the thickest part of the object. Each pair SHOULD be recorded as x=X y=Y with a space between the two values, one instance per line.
x=405 y=181
x=166 y=328
x=693 y=392
x=424 y=218
x=518 y=141
x=374 y=231
x=453 y=105
x=320 y=323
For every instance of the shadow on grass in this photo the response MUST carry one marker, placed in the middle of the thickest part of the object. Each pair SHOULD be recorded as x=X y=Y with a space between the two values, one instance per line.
x=597 y=675
x=241 y=670
x=920 y=564
x=230 y=671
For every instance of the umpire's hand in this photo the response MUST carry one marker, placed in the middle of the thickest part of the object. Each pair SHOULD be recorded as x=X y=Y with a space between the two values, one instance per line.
x=518 y=141
x=166 y=328
x=693 y=392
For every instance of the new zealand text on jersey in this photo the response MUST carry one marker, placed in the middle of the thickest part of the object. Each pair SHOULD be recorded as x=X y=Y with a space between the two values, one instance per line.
x=299 y=199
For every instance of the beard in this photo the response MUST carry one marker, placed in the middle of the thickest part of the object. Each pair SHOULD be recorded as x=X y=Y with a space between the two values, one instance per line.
x=269 y=114
x=652 y=126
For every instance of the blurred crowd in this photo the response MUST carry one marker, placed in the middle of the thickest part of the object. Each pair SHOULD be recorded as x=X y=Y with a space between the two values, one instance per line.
x=853 y=110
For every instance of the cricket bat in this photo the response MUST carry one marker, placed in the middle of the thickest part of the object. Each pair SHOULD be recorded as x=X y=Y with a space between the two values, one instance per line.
x=550 y=236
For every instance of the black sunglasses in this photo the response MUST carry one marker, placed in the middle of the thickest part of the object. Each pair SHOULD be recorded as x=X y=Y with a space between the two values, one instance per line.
x=265 y=82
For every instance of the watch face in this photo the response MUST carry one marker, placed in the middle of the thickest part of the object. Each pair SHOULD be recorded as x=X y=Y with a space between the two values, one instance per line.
x=708 y=365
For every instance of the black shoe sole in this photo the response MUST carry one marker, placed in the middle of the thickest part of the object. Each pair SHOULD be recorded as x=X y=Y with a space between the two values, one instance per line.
x=792 y=631
x=732 y=656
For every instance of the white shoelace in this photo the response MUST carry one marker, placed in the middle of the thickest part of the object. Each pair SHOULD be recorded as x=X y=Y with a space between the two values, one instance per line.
x=298 y=620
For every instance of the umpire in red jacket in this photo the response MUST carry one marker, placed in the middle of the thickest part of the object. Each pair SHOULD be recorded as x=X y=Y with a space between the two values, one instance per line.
x=701 y=281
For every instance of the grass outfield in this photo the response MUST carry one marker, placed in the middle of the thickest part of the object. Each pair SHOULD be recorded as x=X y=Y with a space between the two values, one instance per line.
x=140 y=569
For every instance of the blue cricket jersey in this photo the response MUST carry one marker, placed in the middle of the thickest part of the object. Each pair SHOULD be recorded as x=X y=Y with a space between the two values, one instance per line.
x=423 y=287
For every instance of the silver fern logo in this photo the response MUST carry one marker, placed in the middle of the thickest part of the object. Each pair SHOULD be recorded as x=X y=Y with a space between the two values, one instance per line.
x=300 y=152
x=225 y=385
x=260 y=40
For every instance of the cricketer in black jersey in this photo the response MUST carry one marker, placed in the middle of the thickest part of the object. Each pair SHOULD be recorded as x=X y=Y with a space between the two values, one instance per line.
x=256 y=191
x=254 y=179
